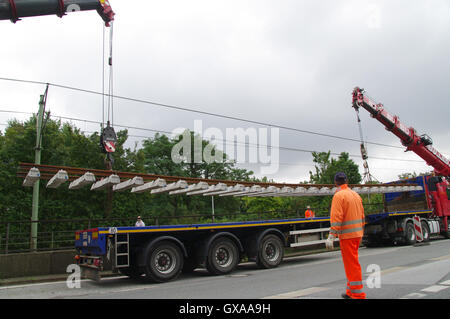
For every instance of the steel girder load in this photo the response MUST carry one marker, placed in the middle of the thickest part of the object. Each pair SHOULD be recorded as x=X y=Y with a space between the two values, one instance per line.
x=176 y=185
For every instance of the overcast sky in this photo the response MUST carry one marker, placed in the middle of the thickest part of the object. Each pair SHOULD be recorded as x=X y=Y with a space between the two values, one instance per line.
x=287 y=63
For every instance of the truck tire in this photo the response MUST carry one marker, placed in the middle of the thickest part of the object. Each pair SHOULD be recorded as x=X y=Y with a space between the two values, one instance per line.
x=270 y=252
x=445 y=233
x=222 y=257
x=425 y=231
x=410 y=235
x=164 y=262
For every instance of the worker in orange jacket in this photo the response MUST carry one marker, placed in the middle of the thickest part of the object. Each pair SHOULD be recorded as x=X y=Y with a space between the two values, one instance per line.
x=309 y=213
x=347 y=224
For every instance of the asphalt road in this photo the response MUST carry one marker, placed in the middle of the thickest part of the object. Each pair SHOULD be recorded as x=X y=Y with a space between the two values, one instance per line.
x=401 y=272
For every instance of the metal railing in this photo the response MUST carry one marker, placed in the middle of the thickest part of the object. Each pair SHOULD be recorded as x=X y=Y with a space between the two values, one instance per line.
x=15 y=236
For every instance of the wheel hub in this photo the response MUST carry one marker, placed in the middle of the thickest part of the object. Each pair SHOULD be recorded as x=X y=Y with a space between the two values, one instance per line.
x=222 y=257
x=163 y=262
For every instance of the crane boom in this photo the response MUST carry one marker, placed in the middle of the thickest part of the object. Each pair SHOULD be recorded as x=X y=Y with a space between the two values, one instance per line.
x=421 y=145
x=14 y=10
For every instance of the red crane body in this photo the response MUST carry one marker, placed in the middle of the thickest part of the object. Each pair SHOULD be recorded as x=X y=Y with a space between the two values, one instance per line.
x=14 y=10
x=421 y=145
x=436 y=188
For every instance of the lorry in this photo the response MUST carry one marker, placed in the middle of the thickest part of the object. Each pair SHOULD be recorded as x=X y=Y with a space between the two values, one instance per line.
x=161 y=253
x=398 y=225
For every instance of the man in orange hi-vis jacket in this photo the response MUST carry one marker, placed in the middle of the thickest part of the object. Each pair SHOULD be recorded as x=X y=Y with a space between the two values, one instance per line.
x=309 y=213
x=347 y=223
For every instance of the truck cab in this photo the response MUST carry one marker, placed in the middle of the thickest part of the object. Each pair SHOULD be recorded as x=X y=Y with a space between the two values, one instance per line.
x=395 y=224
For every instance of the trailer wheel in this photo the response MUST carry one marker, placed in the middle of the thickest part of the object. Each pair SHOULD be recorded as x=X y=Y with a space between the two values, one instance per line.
x=445 y=233
x=270 y=252
x=425 y=231
x=223 y=256
x=410 y=235
x=164 y=262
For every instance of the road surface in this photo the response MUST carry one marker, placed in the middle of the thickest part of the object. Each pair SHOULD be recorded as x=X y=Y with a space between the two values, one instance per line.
x=400 y=272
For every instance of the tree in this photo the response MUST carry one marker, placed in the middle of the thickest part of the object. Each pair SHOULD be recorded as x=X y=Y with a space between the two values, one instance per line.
x=62 y=144
x=156 y=157
x=326 y=167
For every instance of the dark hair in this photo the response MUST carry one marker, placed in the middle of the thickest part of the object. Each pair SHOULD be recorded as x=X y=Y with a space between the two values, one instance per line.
x=340 y=178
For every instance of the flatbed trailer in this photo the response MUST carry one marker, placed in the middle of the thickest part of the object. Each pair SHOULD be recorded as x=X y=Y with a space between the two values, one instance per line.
x=161 y=253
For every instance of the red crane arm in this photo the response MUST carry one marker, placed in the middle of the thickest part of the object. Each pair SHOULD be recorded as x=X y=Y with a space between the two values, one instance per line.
x=421 y=145
x=15 y=9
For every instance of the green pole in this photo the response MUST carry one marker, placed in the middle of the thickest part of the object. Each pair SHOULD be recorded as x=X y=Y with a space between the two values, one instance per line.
x=37 y=160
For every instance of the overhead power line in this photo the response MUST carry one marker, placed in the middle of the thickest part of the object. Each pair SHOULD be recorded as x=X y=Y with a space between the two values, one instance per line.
x=179 y=108
x=284 y=148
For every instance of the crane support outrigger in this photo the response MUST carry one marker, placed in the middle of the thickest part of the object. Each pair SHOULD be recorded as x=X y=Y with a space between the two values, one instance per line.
x=14 y=10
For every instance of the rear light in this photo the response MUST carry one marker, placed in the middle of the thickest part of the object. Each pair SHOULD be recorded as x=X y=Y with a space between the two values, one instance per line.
x=97 y=262
x=77 y=257
x=400 y=229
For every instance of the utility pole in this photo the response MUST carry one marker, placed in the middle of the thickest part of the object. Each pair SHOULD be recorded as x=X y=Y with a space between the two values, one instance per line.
x=212 y=208
x=37 y=160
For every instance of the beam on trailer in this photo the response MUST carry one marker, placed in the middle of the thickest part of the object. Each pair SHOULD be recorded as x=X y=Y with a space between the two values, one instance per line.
x=109 y=181
x=210 y=189
x=234 y=190
x=268 y=192
x=299 y=191
x=86 y=179
x=190 y=188
x=47 y=171
x=135 y=181
x=59 y=178
x=229 y=190
x=33 y=175
x=217 y=189
x=181 y=184
x=255 y=189
x=159 y=183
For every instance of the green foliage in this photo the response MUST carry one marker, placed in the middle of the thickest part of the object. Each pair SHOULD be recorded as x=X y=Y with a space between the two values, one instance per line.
x=326 y=168
x=64 y=144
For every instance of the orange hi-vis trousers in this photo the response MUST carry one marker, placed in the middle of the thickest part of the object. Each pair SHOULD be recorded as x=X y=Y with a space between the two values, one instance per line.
x=349 y=251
